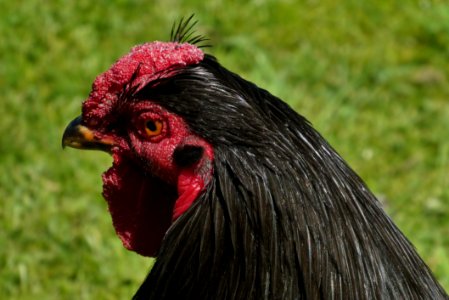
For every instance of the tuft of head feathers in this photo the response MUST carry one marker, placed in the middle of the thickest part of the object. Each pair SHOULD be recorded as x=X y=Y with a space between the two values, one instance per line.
x=183 y=32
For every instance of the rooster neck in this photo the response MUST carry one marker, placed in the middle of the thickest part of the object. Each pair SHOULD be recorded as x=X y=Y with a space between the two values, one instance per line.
x=262 y=237
x=284 y=217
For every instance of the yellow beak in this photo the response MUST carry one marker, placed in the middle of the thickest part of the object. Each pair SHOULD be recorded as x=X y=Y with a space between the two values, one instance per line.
x=79 y=136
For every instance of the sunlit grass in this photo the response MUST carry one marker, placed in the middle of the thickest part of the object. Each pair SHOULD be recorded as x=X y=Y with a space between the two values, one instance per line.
x=371 y=76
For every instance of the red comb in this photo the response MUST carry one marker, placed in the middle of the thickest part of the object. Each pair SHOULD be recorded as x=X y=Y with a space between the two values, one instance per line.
x=145 y=62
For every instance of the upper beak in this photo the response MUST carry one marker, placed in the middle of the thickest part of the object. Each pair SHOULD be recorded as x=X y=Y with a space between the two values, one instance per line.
x=79 y=136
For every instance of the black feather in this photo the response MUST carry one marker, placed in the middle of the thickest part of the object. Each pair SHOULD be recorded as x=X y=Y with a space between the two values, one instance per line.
x=183 y=32
x=284 y=216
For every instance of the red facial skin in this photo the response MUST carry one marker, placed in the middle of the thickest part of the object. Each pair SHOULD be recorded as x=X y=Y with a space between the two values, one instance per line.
x=145 y=190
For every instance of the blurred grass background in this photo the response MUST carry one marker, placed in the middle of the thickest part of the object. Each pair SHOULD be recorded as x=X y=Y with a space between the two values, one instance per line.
x=372 y=76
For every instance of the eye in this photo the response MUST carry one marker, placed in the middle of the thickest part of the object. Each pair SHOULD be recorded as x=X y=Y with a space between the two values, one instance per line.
x=153 y=127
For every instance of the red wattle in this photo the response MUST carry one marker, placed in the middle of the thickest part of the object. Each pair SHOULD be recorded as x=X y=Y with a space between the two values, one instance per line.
x=189 y=187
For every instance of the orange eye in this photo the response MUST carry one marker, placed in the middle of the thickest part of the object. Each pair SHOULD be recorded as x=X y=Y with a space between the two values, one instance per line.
x=153 y=127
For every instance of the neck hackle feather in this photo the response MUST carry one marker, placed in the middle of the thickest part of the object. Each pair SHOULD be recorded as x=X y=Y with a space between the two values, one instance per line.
x=284 y=217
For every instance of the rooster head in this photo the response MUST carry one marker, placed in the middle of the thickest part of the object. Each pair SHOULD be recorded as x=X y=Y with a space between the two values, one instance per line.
x=159 y=165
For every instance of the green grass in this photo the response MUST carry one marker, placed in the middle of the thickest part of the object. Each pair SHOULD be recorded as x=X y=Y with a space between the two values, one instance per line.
x=372 y=76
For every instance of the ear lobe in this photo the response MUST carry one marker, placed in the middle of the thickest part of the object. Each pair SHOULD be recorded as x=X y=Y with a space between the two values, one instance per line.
x=187 y=155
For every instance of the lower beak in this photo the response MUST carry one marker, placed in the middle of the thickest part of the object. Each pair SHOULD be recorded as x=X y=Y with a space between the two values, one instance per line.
x=79 y=136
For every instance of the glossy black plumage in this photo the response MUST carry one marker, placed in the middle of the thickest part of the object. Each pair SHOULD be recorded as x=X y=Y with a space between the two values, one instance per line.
x=284 y=217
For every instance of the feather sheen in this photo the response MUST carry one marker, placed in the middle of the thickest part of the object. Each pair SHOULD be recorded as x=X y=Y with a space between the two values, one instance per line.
x=283 y=217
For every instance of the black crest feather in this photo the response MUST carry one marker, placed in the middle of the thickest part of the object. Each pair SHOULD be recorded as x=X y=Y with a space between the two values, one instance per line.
x=184 y=32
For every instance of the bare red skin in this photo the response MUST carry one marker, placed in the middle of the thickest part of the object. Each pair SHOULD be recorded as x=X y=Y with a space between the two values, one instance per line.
x=150 y=60
x=145 y=189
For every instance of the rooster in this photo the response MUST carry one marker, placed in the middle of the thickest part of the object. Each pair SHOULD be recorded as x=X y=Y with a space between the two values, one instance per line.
x=236 y=194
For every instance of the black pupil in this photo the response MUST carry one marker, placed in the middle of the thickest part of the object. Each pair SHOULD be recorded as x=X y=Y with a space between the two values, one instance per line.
x=151 y=125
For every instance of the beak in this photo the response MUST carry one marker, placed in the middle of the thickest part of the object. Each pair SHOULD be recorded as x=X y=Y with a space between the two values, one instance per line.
x=79 y=136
